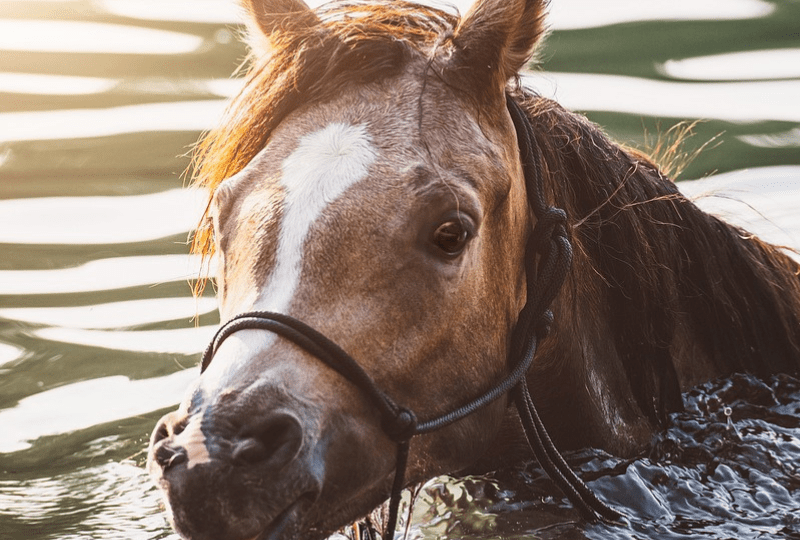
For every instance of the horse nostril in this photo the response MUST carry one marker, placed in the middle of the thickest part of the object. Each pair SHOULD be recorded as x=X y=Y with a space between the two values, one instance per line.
x=250 y=451
x=274 y=440
x=170 y=425
x=166 y=452
x=168 y=456
x=160 y=433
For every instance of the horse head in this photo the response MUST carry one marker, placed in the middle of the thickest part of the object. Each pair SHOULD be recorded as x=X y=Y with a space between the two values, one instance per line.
x=366 y=182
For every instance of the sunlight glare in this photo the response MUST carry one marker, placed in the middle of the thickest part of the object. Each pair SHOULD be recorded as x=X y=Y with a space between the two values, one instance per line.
x=85 y=404
x=91 y=37
x=100 y=220
x=113 y=314
x=737 y=66
x=103 y=275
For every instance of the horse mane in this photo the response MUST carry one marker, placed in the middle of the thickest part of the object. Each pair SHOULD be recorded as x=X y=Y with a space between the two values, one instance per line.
x=660 y=259
x=354 y=43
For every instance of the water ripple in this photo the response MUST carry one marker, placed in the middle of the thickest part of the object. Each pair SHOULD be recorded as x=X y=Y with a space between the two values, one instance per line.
x=107 y=501
x=102 y=275
x=737 y=66
x=78 y=406
x=185 y=341
x=761 y=200
x=9 y=353
x=100 y=220
x=111 y=315
x=103 y=122
x=731 y=101
x=91 y=37
x=203 y=11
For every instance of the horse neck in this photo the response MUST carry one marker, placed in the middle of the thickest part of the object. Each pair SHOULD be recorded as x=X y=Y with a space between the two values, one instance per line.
x=661 y=296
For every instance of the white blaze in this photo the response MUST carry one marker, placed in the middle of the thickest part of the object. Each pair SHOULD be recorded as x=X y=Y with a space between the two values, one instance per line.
x=323 y=166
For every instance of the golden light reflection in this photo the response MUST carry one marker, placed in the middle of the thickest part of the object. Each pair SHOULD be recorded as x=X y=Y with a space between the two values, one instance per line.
x=79 y=406
x=731 y=101
x=91 y=37
x=100 y=220
x=102 y=275
x=53 y=85
x=112 y=314
x=738 y=66
x=84 y=123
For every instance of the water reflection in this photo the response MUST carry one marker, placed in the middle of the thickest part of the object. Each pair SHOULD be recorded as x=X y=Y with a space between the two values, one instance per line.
x=102 y=275
x=53 y=85
x=107 y=501
x=112 y=314
x=9 y=353
x=782 y=139
x=574 y=14
x=204 y=11
x=85 y=404
x=100 y=220
x=65 y=85
x=91 y=37
x=181 y=341
x=738 y=66
x=80 y=123
x=733 y=101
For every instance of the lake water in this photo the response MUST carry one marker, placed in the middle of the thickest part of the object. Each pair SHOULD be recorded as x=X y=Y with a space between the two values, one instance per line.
x=100 y=102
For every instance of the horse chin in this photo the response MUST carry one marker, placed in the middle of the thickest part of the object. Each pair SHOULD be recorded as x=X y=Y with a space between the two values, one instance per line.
x=204 y=506
x=289 y=523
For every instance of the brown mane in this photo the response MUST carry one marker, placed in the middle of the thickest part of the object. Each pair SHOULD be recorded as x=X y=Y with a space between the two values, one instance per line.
x=311 y=66
x=658 y=257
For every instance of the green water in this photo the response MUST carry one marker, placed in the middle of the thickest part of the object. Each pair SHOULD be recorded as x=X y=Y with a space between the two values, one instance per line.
x=97 y=337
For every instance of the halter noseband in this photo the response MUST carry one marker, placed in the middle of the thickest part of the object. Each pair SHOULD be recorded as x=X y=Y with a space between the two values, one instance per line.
x=548 y=256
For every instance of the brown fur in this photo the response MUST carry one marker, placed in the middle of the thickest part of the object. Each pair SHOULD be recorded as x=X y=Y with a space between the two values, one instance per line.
x=660 y=295
x=653 y=250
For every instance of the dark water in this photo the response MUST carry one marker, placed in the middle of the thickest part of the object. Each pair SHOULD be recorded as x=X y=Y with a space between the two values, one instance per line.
x=100 y=101
x=727 y=468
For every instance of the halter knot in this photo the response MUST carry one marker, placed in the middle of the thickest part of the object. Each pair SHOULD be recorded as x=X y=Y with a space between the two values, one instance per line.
x=550 y=222
x=402 y=427
x=543 y=325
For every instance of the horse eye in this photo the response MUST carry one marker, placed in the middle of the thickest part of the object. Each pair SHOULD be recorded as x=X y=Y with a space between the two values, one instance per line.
x=451 y=237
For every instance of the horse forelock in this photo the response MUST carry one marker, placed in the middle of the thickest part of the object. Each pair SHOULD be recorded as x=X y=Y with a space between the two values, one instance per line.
x=355 y=43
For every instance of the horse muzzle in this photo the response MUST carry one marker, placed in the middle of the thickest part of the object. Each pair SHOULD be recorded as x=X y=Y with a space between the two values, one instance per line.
x=238 y=471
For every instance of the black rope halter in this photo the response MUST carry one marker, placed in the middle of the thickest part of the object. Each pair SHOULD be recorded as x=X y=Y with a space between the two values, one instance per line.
x=548 y=257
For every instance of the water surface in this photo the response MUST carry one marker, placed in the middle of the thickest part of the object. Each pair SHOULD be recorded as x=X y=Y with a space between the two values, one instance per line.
x=100 y=102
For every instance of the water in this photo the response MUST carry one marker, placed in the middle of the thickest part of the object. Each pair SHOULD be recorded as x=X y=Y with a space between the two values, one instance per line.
x=101 y=100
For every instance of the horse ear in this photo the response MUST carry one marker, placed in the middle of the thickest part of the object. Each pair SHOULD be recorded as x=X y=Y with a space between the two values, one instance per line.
x=497 y=37
x=265 y=17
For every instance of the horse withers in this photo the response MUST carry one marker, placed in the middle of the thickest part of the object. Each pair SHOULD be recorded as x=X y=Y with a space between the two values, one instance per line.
x=367 y=181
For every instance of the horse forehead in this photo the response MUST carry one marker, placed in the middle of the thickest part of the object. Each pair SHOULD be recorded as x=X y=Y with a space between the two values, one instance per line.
x=325 y=163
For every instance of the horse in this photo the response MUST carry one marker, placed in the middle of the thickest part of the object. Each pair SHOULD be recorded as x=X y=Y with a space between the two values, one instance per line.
x=372 y=221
